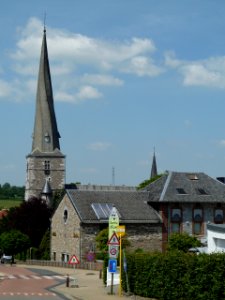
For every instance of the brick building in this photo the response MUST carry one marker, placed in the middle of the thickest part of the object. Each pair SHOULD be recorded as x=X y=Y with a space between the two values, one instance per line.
x=187 y=202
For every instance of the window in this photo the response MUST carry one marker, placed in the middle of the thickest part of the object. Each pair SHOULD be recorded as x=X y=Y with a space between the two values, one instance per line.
x=201 y=191
x=47 y=167
x=197 y=220
x=176 y=219
x=218 y=216
x=65 y=215
x=176 y=215
x=65 y=257
x=193 y=176
x=175 y=227
x=54 y=256
x=181 y=191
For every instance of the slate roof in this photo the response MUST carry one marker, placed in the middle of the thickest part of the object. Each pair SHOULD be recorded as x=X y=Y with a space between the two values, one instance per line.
x=45 y=126
x=186 y=187
x=132 y=206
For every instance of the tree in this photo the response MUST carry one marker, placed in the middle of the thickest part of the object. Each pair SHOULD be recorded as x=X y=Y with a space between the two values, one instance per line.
x=44 y=248
x=146 y=182
x=102 y=239
x=182 y=242
x=14 y=242
x=32 y=218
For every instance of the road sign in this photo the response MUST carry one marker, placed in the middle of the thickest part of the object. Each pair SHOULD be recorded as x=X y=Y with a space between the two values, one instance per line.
x=113 y=251
x=112 y=265
x=113 y=221
x=113 y=240
x=74 y=260
x=90 y=256
x=120 y=230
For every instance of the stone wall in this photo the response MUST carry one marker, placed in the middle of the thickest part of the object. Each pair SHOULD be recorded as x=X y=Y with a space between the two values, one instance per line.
x=65 y=232
x=144 y=236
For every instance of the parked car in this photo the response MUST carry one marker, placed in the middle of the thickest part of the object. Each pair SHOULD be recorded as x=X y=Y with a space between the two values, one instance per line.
x=6 y=259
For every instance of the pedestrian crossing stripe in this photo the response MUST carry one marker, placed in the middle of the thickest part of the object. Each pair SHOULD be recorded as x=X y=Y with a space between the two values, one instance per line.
x=74 y=260
x=27 y=277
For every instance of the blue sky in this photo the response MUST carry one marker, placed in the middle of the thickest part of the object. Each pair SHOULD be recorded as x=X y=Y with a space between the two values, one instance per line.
x=127 y=76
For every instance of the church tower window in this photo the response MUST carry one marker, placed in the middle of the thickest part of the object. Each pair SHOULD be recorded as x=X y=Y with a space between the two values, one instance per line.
x=47 y=167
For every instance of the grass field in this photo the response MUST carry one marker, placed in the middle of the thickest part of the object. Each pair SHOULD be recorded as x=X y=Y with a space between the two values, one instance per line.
x=7 y=203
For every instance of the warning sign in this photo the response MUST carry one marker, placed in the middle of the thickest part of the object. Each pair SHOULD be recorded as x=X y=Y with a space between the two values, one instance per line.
x=113 y=240
x=74 y=260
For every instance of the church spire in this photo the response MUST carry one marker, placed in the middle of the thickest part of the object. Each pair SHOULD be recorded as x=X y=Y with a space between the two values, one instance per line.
x=45 y=163
x=154 y=167
x=46 y=135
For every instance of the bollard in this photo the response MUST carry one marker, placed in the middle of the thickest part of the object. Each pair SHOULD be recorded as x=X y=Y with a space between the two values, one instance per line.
x=100 y=274
x=67 y=281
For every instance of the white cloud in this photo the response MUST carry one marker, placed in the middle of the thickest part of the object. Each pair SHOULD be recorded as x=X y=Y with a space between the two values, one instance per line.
x=5 y=89
x=142 y=66
x=79 y=64
x=84 y=93
x=197 y=74
x=88 y=92
x=209 y=72
x=99 y=146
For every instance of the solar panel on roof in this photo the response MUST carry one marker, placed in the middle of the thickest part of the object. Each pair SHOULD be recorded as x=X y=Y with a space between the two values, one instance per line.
x=102 y=210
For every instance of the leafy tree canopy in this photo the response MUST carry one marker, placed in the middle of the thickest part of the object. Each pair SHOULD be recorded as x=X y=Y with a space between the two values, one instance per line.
x=182 y=242
x=14 y=242
x=31 y=218
x=146 y=182
x=9 y=192
x=102 y=239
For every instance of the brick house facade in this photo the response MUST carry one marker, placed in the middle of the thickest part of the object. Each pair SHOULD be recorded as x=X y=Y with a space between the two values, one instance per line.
x=187 y=202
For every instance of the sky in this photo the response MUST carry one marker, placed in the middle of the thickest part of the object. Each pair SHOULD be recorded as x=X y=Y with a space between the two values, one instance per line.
x=128 y=77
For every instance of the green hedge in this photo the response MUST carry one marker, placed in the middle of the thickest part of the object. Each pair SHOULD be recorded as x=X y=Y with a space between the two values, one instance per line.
x=176 y=276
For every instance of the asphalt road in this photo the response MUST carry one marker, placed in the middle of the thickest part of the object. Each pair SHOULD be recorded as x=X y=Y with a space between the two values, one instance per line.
x=29 y=283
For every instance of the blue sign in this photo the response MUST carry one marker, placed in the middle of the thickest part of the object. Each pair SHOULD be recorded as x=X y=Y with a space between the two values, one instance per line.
x=112 y=265
x=125 y=264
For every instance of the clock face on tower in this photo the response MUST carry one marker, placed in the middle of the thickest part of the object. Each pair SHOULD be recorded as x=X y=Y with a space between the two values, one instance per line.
x=47 y=137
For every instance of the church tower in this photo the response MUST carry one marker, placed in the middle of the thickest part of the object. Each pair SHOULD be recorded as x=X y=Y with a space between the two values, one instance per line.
x=45 y=163
x=154 y=172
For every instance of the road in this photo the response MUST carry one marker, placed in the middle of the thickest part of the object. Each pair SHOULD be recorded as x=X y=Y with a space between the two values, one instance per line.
x=20 y=283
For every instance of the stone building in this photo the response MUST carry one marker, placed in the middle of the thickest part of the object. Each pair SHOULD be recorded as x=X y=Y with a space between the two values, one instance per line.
x=187 y=202
x=84 y=212
x=45 y=162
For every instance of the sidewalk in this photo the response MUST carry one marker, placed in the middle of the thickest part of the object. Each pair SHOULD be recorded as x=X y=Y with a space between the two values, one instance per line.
x=89 y=285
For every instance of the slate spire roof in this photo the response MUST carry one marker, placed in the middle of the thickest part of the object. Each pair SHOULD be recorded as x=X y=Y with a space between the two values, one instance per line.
x=45 y=135
x=154 y=172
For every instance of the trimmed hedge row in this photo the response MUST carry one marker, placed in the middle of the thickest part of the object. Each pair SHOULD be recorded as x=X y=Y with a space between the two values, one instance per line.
x=176 y=276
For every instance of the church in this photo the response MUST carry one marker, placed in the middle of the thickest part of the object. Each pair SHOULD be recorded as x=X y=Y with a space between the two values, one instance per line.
x=174 y=202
